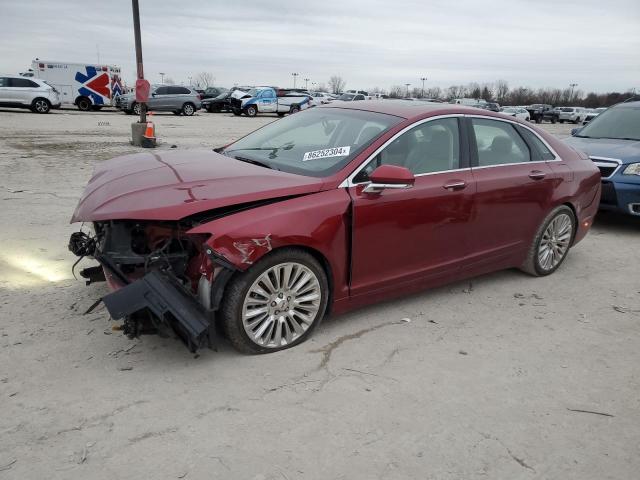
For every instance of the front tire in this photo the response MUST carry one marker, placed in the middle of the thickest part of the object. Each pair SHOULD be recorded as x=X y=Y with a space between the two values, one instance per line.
x=237 y=112
x=552 y=242
x=40 y=105
x=276 y=303
x=83 y=104
x=251 y=111
x=136 y=108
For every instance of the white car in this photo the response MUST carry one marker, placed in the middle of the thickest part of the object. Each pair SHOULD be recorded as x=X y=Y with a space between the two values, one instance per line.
x=518 y=112
x=320 y=98
x=571 y=114
x=33 y=93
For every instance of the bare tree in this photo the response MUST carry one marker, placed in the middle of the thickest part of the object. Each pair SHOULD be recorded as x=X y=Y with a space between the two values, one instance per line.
x=204 y=79
x=433 y=92
x=322 y=88
x=336 y=84
x=502 y=90
x=397 y=91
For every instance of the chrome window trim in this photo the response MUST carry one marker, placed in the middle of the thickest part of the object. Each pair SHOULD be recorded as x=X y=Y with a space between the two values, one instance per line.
x=348 y=182
x=596 y=158
x=508 y=120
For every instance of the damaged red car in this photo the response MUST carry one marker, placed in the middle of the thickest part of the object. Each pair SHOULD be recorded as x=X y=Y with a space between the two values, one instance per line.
x=324 y=211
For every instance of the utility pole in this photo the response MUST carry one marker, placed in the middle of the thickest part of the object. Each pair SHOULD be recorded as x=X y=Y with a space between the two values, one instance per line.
x=407 y=84
x=306 y=84
x=295 y=75
x=142 y=134
x=423 y=80
x=161 y=77
x=572 y=85
x=138 y=40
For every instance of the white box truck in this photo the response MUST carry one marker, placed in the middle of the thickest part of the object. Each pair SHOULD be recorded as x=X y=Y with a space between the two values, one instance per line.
x=89 y=86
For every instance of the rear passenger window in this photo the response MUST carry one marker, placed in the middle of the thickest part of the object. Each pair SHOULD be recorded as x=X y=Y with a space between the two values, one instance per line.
x=178 y=91
x=498 y=143
x=4 y=82
x=542 y=151
x=22 y=82
x=162 y=91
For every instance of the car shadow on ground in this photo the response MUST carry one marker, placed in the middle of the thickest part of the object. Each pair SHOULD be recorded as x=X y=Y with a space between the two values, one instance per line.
x=616 y=222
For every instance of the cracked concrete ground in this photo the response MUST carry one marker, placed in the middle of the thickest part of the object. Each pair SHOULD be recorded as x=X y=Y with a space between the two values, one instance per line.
x=502 y=377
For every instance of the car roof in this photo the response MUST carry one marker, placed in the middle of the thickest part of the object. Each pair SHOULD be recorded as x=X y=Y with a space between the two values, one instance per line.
x=408 y=110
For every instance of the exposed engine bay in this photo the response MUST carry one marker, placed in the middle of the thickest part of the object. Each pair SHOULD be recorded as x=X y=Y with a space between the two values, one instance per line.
x=163 y=277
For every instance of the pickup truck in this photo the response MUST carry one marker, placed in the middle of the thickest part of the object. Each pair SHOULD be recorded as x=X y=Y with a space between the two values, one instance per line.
x=269 y=100
x=540 y=112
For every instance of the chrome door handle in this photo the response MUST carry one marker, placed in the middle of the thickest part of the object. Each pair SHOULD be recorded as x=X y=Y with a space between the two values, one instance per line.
x=536 y=175
x=455 y=185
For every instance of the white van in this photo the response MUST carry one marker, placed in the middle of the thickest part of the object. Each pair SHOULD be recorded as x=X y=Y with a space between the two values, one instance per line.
x=88 y=86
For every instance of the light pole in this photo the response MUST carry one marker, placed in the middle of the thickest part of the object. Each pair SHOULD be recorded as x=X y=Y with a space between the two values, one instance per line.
x=407 y=84
x=189 y=80
x=294 y=75
x=423 y=80
x=306 y=84
x=572 y=85
x=161 y=78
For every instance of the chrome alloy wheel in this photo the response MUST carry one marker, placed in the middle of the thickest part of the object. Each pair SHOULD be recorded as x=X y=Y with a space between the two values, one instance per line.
x=281 y=305
x=41 y=106
x=555 y=241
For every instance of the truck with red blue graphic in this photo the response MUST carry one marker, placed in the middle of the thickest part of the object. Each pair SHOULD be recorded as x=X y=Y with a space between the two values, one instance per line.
x=88 y=86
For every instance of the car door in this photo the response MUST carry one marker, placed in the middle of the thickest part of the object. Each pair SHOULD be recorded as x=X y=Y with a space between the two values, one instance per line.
x=158 y=98
x=419 y=233
x=267 y=101
x=21 y=90
x=514 y=188
x=4 y=90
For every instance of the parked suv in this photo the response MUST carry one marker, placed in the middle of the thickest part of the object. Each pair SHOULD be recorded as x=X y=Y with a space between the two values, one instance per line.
x=571 y=114
x=32 y=93
x=164 y=98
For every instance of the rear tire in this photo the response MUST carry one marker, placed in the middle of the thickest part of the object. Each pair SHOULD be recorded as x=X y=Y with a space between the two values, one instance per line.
x=40 y=105
x=576 y=121
x=240 y=291
x=552 y=239
x=553 y=120
x=188 y=109
x=237 y=112
x=280 y=114
x=84 y=104
x=294 y=109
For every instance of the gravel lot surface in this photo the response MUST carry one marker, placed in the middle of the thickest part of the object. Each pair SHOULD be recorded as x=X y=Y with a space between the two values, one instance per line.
x=501 y=377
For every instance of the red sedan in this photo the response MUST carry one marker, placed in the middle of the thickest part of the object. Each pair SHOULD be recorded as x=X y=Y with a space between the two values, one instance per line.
x=330 y=209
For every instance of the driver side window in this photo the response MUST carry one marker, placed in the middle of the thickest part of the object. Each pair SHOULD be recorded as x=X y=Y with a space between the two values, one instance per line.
x=431 y=147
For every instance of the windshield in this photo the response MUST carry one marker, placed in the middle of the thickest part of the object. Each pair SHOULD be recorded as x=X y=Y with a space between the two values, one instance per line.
x=317 y=142
x=221 y=96
x=509 y=110
x=566 y=109
x=619 y=123
x=346 y=96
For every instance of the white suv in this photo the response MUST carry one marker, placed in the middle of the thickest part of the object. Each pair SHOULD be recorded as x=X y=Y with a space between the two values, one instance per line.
x=32 y=93
x=571 y=114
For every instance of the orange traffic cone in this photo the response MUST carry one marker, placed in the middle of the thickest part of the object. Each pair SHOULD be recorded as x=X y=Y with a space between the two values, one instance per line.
x=149 y=137
x=150 y=132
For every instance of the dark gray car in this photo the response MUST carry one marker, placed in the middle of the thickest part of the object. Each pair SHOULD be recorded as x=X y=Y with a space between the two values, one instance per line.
x=164 y=98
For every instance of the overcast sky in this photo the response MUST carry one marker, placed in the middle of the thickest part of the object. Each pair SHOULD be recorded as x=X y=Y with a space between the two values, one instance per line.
x=595 y=43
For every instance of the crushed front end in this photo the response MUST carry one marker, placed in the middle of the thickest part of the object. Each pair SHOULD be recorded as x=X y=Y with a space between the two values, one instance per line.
x=162 y=277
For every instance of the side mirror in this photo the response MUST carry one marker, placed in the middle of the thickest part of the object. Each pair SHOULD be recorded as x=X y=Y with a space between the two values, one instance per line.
x=389 y=176
x=575 y=131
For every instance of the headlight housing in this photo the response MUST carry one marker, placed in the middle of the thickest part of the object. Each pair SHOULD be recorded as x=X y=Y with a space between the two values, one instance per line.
x=632 y=169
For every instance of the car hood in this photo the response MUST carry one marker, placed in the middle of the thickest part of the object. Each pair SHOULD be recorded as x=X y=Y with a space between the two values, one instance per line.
x=627 y=151
x=174 y=185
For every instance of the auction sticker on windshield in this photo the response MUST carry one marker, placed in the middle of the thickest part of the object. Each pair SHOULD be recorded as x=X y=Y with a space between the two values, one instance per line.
x=327 y=152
